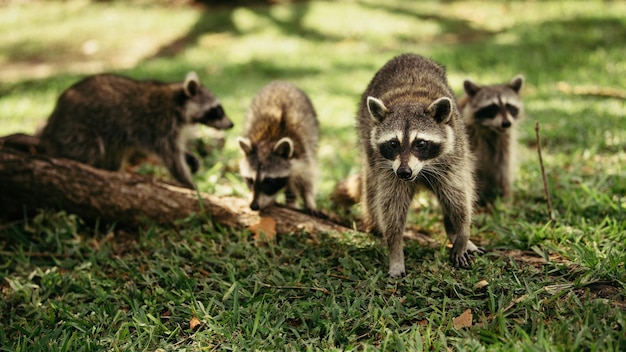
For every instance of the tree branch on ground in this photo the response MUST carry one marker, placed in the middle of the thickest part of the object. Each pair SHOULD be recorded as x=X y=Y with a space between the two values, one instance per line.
x=31 y=180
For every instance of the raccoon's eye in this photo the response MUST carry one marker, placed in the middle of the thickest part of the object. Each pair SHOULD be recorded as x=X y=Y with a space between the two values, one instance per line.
x=488 y=112
x=420 y=144
x=390 y=149
x=392 y=144
x=425 y=150
x=249 y=182
x=513 y=110
x=214 y=113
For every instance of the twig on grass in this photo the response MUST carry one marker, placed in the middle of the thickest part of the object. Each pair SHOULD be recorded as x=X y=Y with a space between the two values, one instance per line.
x=543 y=174
x=320 y=289
x=343 y=277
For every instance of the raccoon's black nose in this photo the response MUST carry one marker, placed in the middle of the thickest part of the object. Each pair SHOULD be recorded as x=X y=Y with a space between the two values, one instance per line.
x=404 y=173
x=254 y=206
x=229 y=125
x=506 y=124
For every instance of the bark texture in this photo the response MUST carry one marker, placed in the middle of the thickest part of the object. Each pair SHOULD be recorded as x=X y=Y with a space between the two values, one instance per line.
x=30 y=180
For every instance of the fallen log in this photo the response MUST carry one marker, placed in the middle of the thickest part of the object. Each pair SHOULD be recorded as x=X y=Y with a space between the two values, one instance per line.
x=30 y=180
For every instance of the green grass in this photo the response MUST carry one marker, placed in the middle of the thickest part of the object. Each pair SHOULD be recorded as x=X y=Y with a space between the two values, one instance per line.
x=71 y=286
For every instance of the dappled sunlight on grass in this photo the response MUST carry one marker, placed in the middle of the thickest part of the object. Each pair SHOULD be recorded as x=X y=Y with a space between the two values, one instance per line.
x=70 y=38
x=102 y=286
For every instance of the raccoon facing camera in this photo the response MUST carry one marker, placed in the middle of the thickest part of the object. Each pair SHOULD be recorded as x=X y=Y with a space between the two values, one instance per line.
x=412 y=136
x=491 y=113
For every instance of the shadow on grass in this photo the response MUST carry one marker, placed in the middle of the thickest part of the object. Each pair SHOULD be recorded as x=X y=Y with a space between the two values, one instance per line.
x=454 y=30
x=547 y=52
x=222 y=20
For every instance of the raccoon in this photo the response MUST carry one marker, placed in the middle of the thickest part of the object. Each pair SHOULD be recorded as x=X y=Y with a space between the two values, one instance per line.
x=490 y=113
x=411 y=134
x=104 y=119
x=279 y=146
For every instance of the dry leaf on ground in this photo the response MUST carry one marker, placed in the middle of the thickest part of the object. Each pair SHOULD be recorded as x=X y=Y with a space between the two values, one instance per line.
x=194 y=323
x=464 y=320
x=481 y=284
x=423 y=322
x=264 y=231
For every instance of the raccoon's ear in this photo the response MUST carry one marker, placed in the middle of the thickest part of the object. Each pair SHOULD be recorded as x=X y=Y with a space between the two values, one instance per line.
x=517 y=83
x=440 y=110
x=376 y=108
x=470 y=87
x=284 y=147
x=192 y=84
x=245 y=145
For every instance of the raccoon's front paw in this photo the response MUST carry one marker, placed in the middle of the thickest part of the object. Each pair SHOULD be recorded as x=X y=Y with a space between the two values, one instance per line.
x=397 y=271
x=462 y=260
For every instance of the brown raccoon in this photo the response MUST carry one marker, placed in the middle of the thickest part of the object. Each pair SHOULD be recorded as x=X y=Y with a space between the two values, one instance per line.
x=104 y=119
x=280 y=141
x=411 y=135
x=491 y=113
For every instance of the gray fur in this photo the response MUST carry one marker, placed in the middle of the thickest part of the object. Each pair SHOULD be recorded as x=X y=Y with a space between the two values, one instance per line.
x=104 y=119
x=416 y=100
x=280 y=141
x=493 y=140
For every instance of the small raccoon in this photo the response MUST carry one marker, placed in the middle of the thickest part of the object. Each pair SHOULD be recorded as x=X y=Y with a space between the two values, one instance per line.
x=411 y=135
x=280 y=141
x=104 y=119
x=490 y=113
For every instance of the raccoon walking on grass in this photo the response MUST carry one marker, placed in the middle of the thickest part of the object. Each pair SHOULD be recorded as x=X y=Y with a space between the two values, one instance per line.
x=491 y=113
x=411 y=135
x=281 y=135
x=104 y=119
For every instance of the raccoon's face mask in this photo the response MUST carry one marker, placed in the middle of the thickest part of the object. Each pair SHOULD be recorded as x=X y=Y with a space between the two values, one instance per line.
x=265 y=173
x=216 y=117
x=264 y=190
x=201 y=106
x=495 y=106
x=410 y=138
x=498 y=115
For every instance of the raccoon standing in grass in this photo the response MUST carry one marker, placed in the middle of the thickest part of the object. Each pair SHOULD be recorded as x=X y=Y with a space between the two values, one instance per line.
x=411 y=135
x=281 y=135
x=491 y=113
x=105 y=119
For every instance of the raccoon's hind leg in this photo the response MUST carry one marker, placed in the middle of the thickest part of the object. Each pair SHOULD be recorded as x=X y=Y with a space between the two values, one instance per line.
x=117 y=155
x=82 y=145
